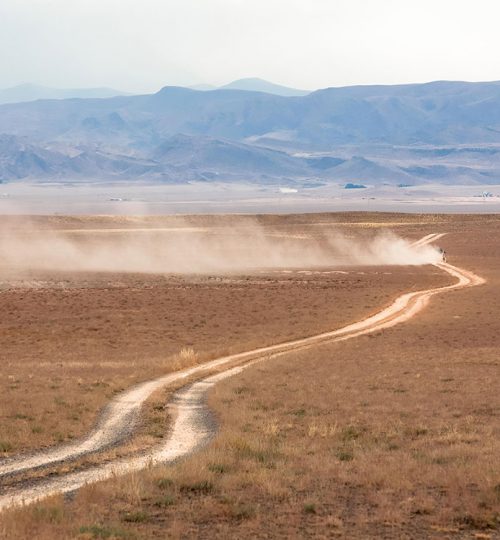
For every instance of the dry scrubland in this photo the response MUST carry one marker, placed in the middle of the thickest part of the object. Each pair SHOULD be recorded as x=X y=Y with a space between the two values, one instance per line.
x=70 y=340
x=393 y=435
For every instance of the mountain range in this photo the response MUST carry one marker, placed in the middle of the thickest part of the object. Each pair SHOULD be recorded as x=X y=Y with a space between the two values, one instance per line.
x=31 y=92
x=445 y=132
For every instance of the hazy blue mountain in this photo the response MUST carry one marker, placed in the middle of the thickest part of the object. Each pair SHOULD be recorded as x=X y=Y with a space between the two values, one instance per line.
x=32 y=92
x=22 y=160
x=436 y=113
x=180 y=158
x=261 y=85
x=438 y=132
x=203 y=87
x=206 y=153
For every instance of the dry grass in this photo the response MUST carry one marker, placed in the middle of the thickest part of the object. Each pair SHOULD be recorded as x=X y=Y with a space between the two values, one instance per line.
x=395 y=435
x=70 y=341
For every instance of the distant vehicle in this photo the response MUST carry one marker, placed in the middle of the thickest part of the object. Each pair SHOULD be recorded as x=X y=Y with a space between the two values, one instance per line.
x=443 y=254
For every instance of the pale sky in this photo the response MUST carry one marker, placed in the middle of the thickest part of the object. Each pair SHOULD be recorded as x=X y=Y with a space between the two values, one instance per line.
x=142 y=45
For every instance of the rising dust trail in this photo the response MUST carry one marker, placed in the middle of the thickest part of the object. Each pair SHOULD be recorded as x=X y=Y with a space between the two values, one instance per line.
x=238 y=247
x=190 y=430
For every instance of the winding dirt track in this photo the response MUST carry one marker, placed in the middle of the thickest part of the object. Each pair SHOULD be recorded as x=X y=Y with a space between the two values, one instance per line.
x=192 y=427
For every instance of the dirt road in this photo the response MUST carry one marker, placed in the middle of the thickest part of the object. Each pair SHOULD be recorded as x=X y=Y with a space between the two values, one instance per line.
x=192 y=427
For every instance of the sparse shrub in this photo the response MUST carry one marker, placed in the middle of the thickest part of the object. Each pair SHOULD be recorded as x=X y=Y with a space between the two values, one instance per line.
x=201 y=487
x=58 y=400
x=188 y=355
x=344 y=455
x=5 y=446
x=441 y=460
x=244 y=450
x=136 y=517
x=132 y=488
x=156 y=432
x=218 y=468
x=166 y=500
x=243 y=511
x=415 y=432
x=49 y=514
x=19 y=416
x=98 y=531
x=309 y=508
x=165 y=483
x=479 y=521
x=59 y=437
x=351 y=433
x=423 y=511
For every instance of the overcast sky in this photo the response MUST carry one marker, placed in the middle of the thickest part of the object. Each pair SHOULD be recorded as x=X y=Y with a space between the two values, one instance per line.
x=142 y=45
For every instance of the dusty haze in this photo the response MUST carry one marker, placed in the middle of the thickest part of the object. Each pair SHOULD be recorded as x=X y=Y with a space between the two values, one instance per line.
x=187 y=249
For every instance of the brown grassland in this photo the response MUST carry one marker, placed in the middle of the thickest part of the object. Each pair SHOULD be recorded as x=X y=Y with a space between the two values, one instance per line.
x=391 y=435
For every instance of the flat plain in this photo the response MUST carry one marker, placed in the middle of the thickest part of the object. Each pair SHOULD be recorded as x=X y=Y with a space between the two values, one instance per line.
x=391 y=435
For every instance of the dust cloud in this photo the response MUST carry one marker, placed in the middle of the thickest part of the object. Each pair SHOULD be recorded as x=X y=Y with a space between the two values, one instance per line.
x=188 y=249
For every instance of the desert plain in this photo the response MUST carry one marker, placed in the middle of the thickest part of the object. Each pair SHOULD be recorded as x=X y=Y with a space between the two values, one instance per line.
x=393 y=434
